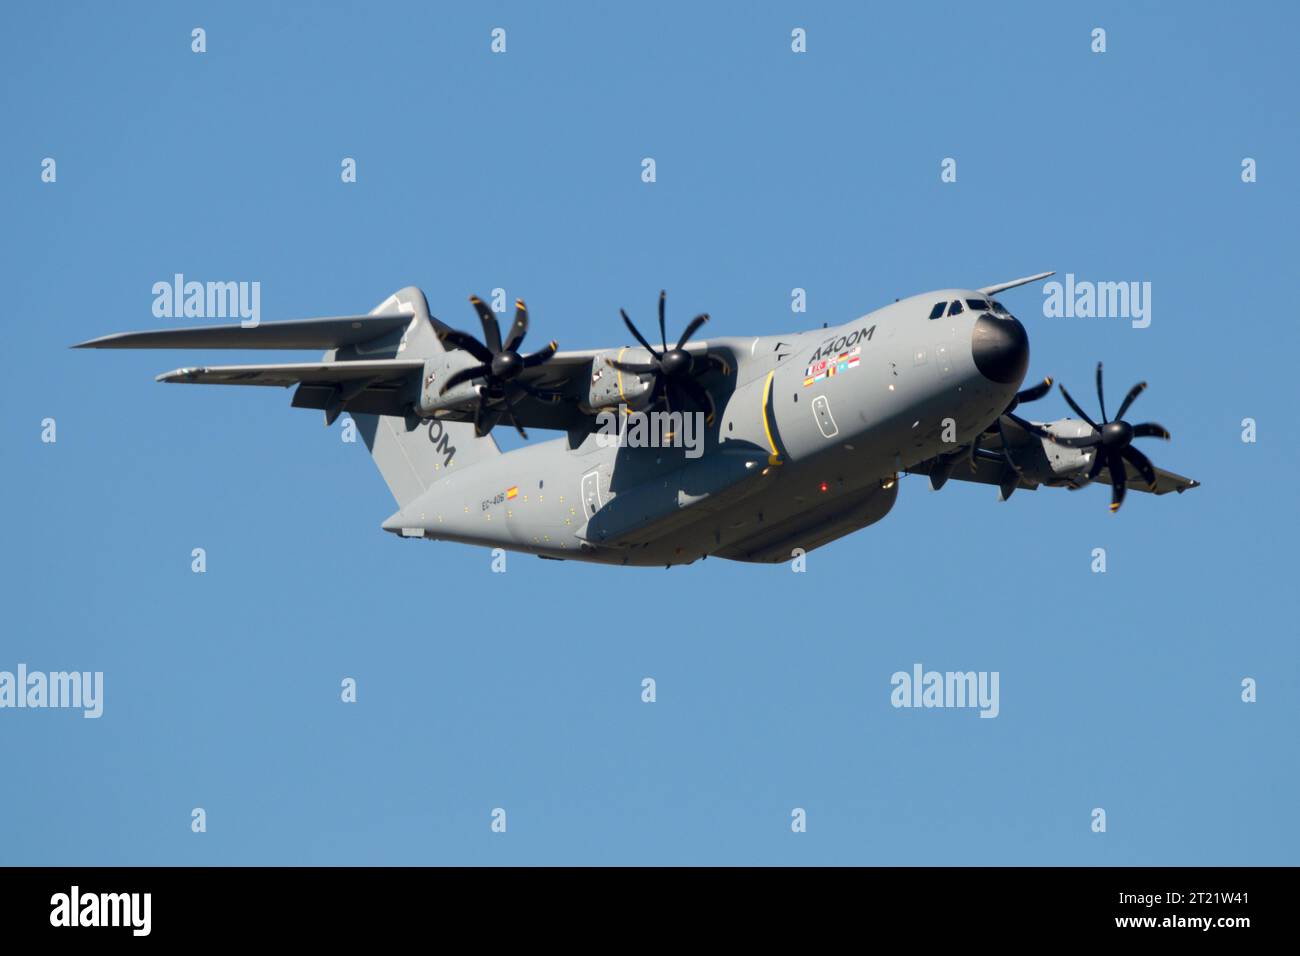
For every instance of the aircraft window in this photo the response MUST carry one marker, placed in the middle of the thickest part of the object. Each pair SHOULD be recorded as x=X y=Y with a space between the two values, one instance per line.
x=977 y=305
x=999 y=308
x=955 y=308
x=937 y=311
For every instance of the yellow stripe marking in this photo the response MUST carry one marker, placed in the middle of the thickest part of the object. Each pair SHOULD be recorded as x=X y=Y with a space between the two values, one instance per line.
x=622 y=397
x=775 y=457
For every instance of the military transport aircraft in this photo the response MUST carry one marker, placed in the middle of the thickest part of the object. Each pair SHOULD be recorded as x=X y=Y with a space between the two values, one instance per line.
x=803 y=435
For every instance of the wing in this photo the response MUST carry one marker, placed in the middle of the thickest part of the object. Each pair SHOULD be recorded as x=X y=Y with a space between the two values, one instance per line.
x=566 y=372
x=331 y=333
x=572 y=371
x=1166 y=481
x=295 y=373
x=568 y=376
x=380 y=387
x=992 y=468
x=559 y=389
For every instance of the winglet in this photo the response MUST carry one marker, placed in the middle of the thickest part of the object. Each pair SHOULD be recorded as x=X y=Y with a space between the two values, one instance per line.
x=1003 y=286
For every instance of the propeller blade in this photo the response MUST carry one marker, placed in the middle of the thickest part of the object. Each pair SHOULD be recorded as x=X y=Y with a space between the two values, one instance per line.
x=512 y=396
x=491 y=331
x=1101 y=399
x=461 y=340
x=1133 y=393
x=940 y=473
x=637 y=333
x=549 y=397
x=663 y=335
x=1077 y=410
x=1150 y=430
x=485 y=420
x=656 y=393
x=1142 y=463
x=541 y=355
x=1035 y=430
x=1118 y=477
x=632 y=368
x=1006 y=448
x=1034 y=393
x=464 y=375
x=692 y=328
x=1098 y=463
x=718 y=362
x=519 y=329
x=1087 y=441
x=700 y=396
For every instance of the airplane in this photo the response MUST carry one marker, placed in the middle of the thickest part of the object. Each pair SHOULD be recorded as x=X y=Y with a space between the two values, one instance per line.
x=802 y=437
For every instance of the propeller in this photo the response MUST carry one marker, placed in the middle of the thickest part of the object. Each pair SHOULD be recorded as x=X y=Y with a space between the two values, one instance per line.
x=500 y=366
x=675 y=370
x=1031 y=394
x=1112 y=441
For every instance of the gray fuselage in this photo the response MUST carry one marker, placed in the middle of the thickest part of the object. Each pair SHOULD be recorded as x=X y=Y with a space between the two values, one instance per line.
x=807 y=445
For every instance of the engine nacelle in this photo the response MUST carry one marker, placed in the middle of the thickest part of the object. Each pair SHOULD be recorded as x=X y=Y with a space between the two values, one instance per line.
x=437 y=370
x=1048 y=463
x=611 y=388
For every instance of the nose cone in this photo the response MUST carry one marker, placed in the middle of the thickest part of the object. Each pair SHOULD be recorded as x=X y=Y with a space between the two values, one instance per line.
x=1000 y=348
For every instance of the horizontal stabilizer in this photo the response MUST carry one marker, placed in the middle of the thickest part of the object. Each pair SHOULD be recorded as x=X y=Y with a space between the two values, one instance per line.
x=296 y=373
x=331 y=333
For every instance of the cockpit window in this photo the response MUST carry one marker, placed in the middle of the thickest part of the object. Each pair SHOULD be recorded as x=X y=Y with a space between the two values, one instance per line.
x=955 y=308
x=977 y=305
x=937 y=311
x=999 y=308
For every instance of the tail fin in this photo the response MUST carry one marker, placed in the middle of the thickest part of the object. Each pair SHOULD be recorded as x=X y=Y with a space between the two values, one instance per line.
x=413 y=453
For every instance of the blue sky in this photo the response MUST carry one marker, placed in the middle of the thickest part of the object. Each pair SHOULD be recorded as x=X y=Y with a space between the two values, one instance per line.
x=522 y=690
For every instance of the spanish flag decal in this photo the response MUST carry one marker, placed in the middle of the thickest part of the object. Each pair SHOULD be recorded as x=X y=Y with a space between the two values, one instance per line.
x=512 y=493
